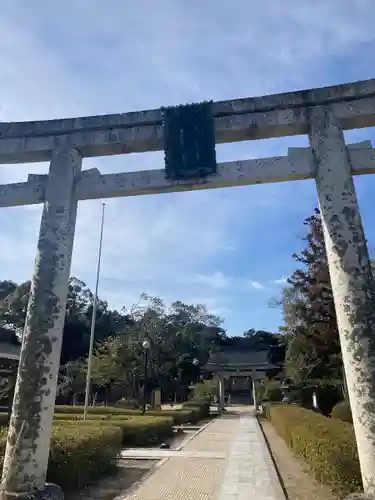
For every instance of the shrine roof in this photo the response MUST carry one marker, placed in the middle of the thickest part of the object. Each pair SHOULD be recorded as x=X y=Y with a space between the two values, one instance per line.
x=239 y=357
x=10 y=347
x=8 y=351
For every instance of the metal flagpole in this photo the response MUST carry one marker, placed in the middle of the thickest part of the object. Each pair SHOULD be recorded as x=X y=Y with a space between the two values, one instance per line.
x=93 y=321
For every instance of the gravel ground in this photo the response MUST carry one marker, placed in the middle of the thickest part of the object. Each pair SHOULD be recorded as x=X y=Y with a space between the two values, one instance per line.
x=129 y=473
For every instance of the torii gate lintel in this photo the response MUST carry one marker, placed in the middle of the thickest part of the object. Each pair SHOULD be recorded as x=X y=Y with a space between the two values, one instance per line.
x=90 y=184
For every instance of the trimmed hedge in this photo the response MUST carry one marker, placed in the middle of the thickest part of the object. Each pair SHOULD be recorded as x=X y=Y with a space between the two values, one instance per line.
x=202 y=406
x=92 y=410
x=135 y=431
x=342 y=411
x=329 y=447
x=179 y=417
x=83 y=451
x=128 y=403
x=96 y=418
x=79 y=454
x=4 y=419
x=143 y=431
x=192 y=412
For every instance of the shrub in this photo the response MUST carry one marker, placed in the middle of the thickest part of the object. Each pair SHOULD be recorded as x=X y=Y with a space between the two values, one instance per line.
x=93 y=410
x=328 y=395
x=205 y=389
x=4 y=419
x=95 y=417
x=143 y=431
x=79 y=454
x=271 y=391
x=184 y=416
x=202 y=406
x=179 y=417
x=191 y=412
x=342 y=411
x=328 y=447
x=274 y=394
x=131 y=404
x=136 y=431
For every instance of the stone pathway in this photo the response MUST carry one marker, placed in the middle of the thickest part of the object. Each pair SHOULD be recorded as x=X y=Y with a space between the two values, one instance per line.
x=228 y=460
x=250 y=472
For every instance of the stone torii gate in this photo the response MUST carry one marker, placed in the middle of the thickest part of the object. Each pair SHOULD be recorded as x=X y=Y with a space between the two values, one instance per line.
x=322 y=114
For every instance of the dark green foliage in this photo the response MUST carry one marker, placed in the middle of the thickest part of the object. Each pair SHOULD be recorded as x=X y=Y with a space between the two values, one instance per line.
x=274 y=394
x=328 y=395
x=135 y=430
x=327 y=446
x=80 y=454
x=145 y=431
x=178 y=336
x=96 y=410
x=313 y=350
x=128 y=403
x=342 y=411
x=191 y=413
x=201 y=406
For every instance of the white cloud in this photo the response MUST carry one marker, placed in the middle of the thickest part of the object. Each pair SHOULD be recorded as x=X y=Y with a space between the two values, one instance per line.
x=214 y=280
x=281 y=281
x=256 y=285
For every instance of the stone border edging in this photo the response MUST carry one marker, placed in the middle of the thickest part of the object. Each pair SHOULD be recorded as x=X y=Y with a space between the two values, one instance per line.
x=184 y=443
x=277 y=476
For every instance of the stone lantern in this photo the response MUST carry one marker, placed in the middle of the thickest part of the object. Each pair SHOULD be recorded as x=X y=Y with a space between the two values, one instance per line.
x=286 y=388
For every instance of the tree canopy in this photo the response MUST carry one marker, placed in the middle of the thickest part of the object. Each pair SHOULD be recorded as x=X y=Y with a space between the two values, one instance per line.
x=181 y=337
x=313 y=346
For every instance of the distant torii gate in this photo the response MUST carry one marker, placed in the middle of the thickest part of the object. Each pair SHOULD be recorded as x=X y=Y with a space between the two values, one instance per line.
x=322 y=113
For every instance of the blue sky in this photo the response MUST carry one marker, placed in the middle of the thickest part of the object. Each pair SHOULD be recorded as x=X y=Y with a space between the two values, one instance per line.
x=227 y=248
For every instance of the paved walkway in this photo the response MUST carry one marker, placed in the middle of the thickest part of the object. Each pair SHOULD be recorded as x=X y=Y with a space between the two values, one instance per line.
x=231 y=462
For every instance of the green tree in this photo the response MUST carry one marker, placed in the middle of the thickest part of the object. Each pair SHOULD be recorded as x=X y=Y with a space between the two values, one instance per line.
x=179 y=338
x=313 y=346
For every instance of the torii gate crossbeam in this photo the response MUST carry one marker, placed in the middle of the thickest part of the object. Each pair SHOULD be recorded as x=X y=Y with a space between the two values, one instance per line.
x=91 y=184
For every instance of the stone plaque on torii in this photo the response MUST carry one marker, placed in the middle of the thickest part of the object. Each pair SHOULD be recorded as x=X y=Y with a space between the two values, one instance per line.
x=323 y=114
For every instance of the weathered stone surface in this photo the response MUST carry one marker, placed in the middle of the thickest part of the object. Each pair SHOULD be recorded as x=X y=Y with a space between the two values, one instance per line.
x=351 y=277
x=239 y=120
x=298 y=165
x=231 y=462
x=300 y=98
x=26 y=457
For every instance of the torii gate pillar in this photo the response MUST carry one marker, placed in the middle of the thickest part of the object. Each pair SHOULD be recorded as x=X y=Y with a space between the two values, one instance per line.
x=351 y=277
x=27 y=451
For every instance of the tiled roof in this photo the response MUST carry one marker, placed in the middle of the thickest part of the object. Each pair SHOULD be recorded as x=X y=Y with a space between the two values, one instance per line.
x=243 y=357
x=9 y=351
x=9 y=345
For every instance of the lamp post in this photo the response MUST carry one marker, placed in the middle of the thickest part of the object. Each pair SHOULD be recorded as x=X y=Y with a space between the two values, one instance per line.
x=146 y=347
